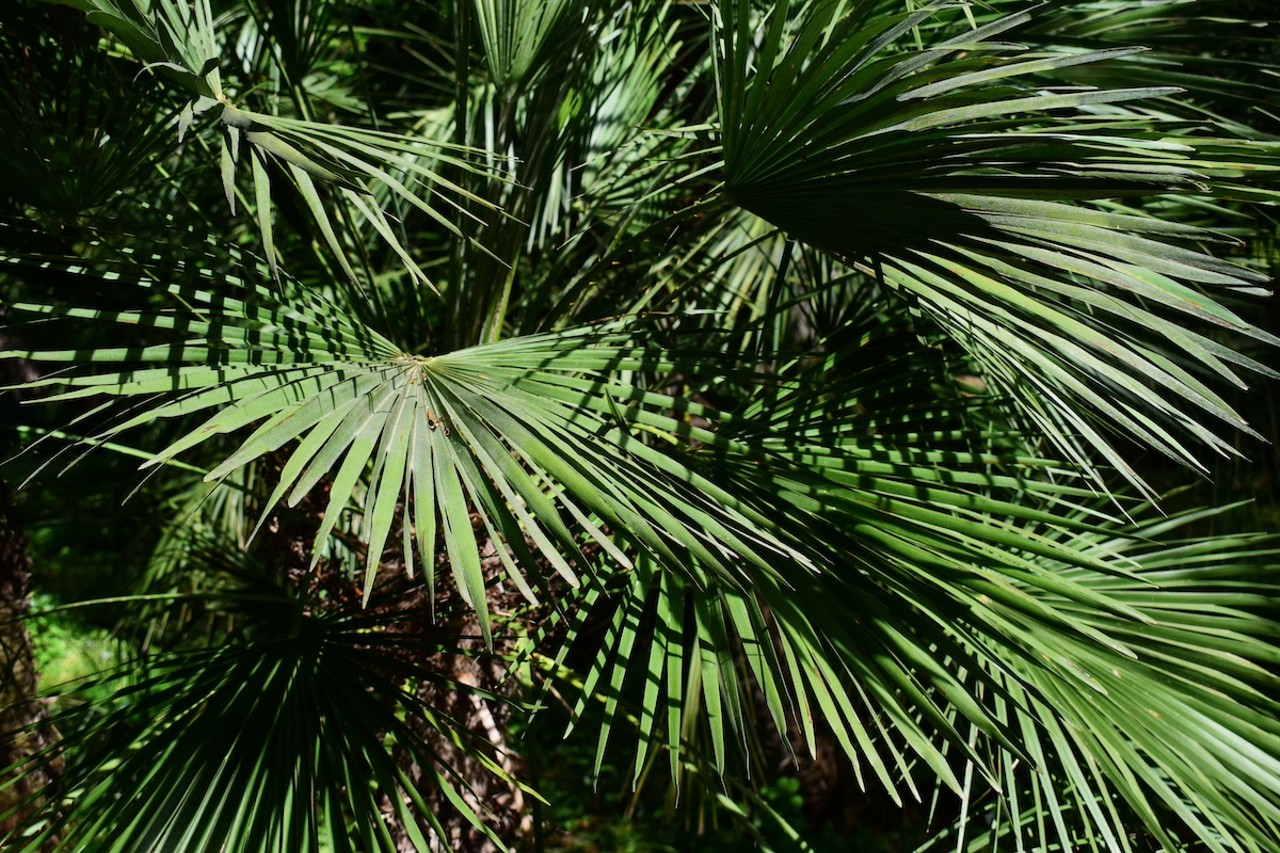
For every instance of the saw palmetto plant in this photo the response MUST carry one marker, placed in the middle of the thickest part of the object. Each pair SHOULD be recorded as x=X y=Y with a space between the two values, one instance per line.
x=729 y=376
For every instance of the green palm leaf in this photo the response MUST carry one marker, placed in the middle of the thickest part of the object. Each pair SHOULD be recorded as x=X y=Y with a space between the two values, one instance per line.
x=918 y=543
x=68 y=138
x=519 y=37
x=283 y=738
x=534 y=433
x=959 y=178
x=788 y=389
x=183 y=42
x=1179 y=729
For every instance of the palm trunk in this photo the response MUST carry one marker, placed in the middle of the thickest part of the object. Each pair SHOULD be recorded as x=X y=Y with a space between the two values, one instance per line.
x=24 y=728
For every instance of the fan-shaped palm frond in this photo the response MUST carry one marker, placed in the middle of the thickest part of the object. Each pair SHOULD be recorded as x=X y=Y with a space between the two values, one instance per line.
x=909 y=533
x=489 y=427
x=782 y=360
x=182 y=41
x=279 y=738
x=1149 y=716
x=519 y=37
x=958 y=177
x=68 y=140
x=1173 y=730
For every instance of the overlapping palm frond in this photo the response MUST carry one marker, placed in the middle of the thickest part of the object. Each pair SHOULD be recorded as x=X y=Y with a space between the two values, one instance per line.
x=612 y=145
x=1224 y=75
x=906 y=528
x=962 y=179
x=519 y=38
x=822 y=447
x=298 y=42
x=365 y=168
x=69 y=140
x=536 y=433
x=284 y=736
x=531 y=431
x=1174 y=738
x=574 y=137
x=1126 y=694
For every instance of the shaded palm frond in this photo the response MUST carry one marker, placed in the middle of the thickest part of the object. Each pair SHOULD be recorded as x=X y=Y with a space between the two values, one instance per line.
x=961 y=180
x=69 y=140
x=182 y=42
x=521 y=39
x=282 y=737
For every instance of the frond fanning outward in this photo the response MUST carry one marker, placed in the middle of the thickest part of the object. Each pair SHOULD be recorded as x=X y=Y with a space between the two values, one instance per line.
x=278 y=739
x=69 y=137
x=758 y=389
x=1044 y=731
x=533 y=433
x=518 y=35
x=542 y=437
x=373 y=173
x=989 y=199
x=1170 y=738
x=362 y=166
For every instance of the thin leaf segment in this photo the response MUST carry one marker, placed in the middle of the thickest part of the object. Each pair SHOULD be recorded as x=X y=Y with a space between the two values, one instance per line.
x=974 y=189
x=1176 y=726
x=371 y=172
x=838 y=543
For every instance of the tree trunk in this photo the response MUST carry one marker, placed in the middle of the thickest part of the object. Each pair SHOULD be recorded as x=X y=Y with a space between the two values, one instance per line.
x=24 y=728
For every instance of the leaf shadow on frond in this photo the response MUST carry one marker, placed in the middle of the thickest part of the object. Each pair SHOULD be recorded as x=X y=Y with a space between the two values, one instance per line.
x=977 y=191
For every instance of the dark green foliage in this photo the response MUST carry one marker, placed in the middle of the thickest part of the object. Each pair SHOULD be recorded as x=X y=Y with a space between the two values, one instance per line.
x=737 y=386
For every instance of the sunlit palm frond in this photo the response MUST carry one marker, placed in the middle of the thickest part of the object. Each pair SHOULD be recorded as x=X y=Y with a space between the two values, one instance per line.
x=536 y=433
x=1174 y=737
x=911 y=548
x=182 y=42
x=783 y=358
x=1056 y=716
x=960 y=179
